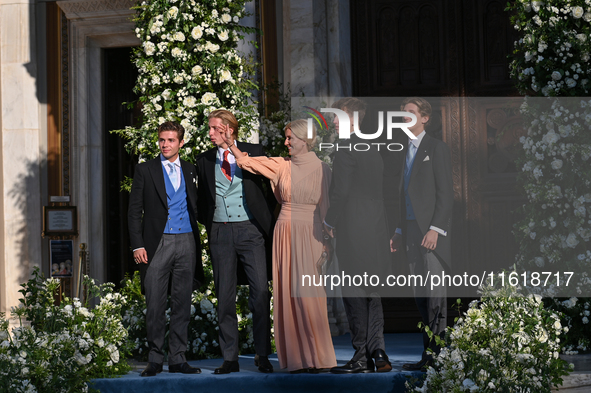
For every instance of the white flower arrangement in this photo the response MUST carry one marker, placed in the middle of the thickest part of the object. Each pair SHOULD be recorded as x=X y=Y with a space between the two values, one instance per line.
x=506 y=343
x=188 y=57
x=65 y=346
x=564 y=68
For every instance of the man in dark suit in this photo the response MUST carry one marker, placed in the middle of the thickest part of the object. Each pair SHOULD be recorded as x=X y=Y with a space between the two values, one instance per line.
x=165 y=242
x=233 y=207
x=356 y=218
x=426 y=203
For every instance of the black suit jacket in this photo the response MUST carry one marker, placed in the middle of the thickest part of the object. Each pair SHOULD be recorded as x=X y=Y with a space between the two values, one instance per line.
x=256 y=189
x=431 y=193
x=357 y=211
x=148 y=211
x=257 y=192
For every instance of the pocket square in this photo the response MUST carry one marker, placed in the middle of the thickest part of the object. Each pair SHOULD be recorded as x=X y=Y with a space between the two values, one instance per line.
x=426 y=159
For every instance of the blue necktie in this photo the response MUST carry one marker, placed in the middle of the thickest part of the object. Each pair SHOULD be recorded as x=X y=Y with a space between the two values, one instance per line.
x=172 y=176
x=410 y=157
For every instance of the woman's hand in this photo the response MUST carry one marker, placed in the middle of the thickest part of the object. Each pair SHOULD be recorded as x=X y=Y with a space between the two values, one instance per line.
x=226 y=133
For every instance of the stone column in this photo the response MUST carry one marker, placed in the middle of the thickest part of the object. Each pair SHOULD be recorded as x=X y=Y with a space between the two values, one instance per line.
x=317 y=47
x=21 y=156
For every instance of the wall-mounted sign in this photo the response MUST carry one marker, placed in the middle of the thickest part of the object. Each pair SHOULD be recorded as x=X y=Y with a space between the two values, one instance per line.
x=60 y=221
x=61 y=254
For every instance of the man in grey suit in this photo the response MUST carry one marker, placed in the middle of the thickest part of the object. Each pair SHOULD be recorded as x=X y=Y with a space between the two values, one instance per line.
x=165 y=242
x=426 y=203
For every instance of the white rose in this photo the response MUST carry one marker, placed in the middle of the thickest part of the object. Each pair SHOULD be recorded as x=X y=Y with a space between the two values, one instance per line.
x=178 y=79
x=225 y=75
x=571 y=240
x=570 y=82
x=208 y=98
x=197 y=70
x=578 y=12
x=581 y=37
x=179 y=36
x=177 y=52
x=585 y=320
x=556 y=75
x=197 y=32
x=149 y=48
x=190 y=102
x=166 y=94
x=557 y=164
x=587 y=16
x=223 y=36
x=226 y=18
x=173 y=12
x=236 y=19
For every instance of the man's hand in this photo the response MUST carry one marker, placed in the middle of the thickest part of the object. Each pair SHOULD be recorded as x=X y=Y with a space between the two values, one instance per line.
x=395 y=242
x=329 y=230
x=430 y=240
x=140 y=256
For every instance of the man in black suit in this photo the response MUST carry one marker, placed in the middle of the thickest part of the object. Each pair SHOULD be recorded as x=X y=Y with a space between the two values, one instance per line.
x=356 y=217
x=234 y=209
x=165 y=242
x=426 y=203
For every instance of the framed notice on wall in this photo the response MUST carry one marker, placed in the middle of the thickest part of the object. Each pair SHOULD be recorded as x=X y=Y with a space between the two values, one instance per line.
x=61 y=254
x=60 y=221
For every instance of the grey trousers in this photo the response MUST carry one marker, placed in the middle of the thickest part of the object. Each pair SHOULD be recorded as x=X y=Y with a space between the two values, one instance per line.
x=174 y=260
x=432 y=304
x=228 y=243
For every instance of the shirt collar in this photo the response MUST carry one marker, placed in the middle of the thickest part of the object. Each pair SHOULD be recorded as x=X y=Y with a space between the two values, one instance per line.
x=221 y=151
x=177 y=162
x=417 y=141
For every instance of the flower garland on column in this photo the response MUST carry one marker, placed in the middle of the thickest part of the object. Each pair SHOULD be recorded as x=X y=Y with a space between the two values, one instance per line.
x=552 y=60
x=188 y=67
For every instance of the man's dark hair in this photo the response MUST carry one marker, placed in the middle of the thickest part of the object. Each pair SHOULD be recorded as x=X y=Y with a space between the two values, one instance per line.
x=172 y=126
x=350 y=105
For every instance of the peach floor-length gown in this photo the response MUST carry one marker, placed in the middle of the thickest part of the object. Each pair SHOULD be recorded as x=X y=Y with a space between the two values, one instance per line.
x=300 y=184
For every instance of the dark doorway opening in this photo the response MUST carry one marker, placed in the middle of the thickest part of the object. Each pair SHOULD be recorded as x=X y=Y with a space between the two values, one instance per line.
x=120 y=76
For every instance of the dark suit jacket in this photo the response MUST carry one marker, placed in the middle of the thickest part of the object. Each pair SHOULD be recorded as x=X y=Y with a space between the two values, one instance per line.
x=148 y=211
x=357 y=211
x=431 y=193
x=257 y=192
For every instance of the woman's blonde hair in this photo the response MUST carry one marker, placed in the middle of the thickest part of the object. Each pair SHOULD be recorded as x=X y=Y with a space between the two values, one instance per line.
x=299 y=128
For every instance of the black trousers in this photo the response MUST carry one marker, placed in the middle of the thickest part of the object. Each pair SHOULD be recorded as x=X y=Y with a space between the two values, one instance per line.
x=366 y=323
x=174 y=260
x=230 y=242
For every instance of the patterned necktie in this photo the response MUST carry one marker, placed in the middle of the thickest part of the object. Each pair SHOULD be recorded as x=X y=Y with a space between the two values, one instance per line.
x=172 y=176
x=410 y=157
x=226 y=168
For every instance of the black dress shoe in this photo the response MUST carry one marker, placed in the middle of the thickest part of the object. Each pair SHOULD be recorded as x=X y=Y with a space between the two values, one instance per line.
x=183 y=368
x=353 y=367
x=299 y=371
x=263 y=363
x=152 y=369
x=382 y=362
x=227 y=368
x=423 y=365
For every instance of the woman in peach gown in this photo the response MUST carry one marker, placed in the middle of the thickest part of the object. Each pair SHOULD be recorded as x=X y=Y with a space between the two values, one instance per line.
x=300 y=183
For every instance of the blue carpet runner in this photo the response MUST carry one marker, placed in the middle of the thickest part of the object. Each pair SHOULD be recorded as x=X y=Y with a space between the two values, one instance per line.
x=401 y=348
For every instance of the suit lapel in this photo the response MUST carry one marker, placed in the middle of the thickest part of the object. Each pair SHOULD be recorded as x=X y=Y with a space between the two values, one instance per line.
x=209 y=170
x=420 y=156
x=158 y=179
x=189 y=176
